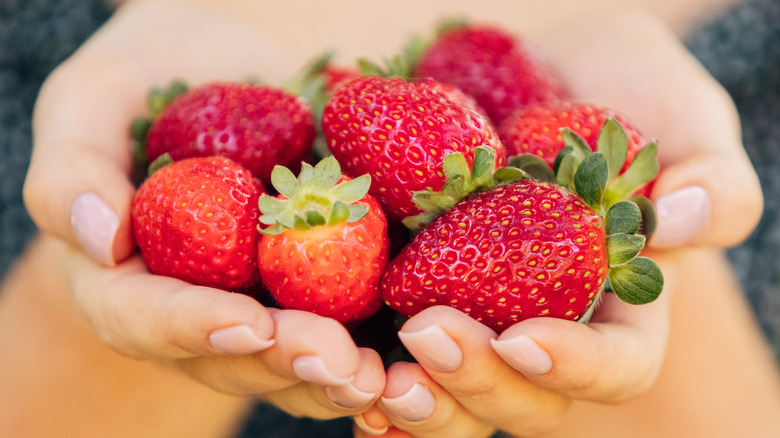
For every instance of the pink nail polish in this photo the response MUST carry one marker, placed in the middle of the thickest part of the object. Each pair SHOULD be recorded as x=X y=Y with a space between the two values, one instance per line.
x=94 y=224
x=433 y=348
x=523 y=354
x=681 y=216
x=239 y=339
x=312 y=369
x=347 y=396
x=416 y=405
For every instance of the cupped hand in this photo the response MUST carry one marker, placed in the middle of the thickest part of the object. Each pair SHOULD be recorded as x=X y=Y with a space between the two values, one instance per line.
x=78 y=189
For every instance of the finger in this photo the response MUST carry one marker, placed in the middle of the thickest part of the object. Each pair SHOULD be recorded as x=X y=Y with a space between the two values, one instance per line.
x=616 y=357
x=328 y=402
x=416 y=404
x=154 y=317
x=456 y=352
x=654 y=81
x=374 y=422
x=308 y=348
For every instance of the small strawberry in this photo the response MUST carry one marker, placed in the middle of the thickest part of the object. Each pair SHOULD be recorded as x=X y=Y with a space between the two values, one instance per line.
x=536 y=129
x=258 y=126
x=196 y=220
x=501 y=71
x=326 y=244
x=399 y=133
x=532 y=248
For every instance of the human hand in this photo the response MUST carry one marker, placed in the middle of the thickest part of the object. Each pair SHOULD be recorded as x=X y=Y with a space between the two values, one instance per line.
x=78 y=189
x=471 y=382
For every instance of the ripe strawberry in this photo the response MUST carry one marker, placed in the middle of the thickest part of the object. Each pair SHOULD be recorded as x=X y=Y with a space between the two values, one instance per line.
x=531 y=248
x=501 y=71
x=196 y=220
x=399 y=133
x=326 y=245
x=258 y=126
x=536 y=129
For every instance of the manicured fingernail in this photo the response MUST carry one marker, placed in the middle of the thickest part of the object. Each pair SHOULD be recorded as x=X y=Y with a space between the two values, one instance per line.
x=681 y=216
x=360 y=421
x=312 y=369
x=94 y=224
x=347 y=396
x=239 y=339
x=416 y=405
x=523 y=354
x=433 y=348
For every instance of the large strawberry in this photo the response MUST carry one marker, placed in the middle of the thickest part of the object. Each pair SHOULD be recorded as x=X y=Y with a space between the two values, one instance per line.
x=399 y=133
x=503 y=72
x=533 y=248
x=258 y=126
x=324 y=244
x=196 y=220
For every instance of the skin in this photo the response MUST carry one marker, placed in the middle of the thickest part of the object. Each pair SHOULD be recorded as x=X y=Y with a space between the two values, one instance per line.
x=646 y=358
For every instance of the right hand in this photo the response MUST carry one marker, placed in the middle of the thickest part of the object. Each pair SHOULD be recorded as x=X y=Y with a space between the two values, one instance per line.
x=78 y=189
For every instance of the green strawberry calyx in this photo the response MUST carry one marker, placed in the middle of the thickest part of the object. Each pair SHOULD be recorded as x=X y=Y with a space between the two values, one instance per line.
x=314 y=198
x=629 y=219
x=156 y=100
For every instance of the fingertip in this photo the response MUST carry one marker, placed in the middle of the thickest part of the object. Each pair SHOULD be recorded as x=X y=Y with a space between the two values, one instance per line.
x=682 y=215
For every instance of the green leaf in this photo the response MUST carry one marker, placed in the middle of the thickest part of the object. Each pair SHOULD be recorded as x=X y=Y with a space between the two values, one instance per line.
x=642 y=170
x=484 y=166
x=623 y=217
x=356 y=212
x=419 y=221
x=455 y=165
x=639 y=281
x=139 y=128
x=352 y=190
x=160 y=162
x=566 y=166
x=579 y=146
x=534 y=166
x=613 y=143
x=314 y=217
x=590 y=179
x=509 y=174
x=284 y=181
x=271 y=231
x=649 y=218
x=327 y=172
x=432 y=201
x=454 y=188
x=339 y=213
x=270 y=205
x=306 y=177
x=622 y=248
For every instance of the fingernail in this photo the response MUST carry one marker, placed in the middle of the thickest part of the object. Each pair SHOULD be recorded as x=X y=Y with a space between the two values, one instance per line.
x=416 y=405
x=433 y=348
x=347 y=396
x=312 y=369
x=360 y=421
x=94 y=224
x=681 y=216
x=523 y=354
x=239 y=339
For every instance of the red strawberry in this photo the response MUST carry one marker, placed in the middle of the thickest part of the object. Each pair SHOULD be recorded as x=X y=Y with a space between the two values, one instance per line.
x=196 y=220
x=501 y=71
x=257 y=126
x=536 y=129
x=531 y=248
x=399 y=132
x=327 y=244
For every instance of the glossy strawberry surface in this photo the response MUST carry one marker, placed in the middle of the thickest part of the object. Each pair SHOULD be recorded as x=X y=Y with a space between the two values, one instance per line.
x=519 y=251
x=333 y=271
x=501 y=71
x=399 y=132
x=196 y=220
x=257 y=126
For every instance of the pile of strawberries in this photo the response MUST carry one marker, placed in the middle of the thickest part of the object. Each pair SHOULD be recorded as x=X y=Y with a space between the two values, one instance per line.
x=470 y=180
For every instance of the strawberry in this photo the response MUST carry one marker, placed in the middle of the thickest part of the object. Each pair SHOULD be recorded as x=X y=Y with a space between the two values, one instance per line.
x=399 y=133
x=536 y=129
x=324 y=244
x=196 y=220
x=501 y=71
x=258 y=126
x=531 y=248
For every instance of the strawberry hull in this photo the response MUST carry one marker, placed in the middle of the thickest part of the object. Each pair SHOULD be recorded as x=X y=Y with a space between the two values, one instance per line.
x=524 y=250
